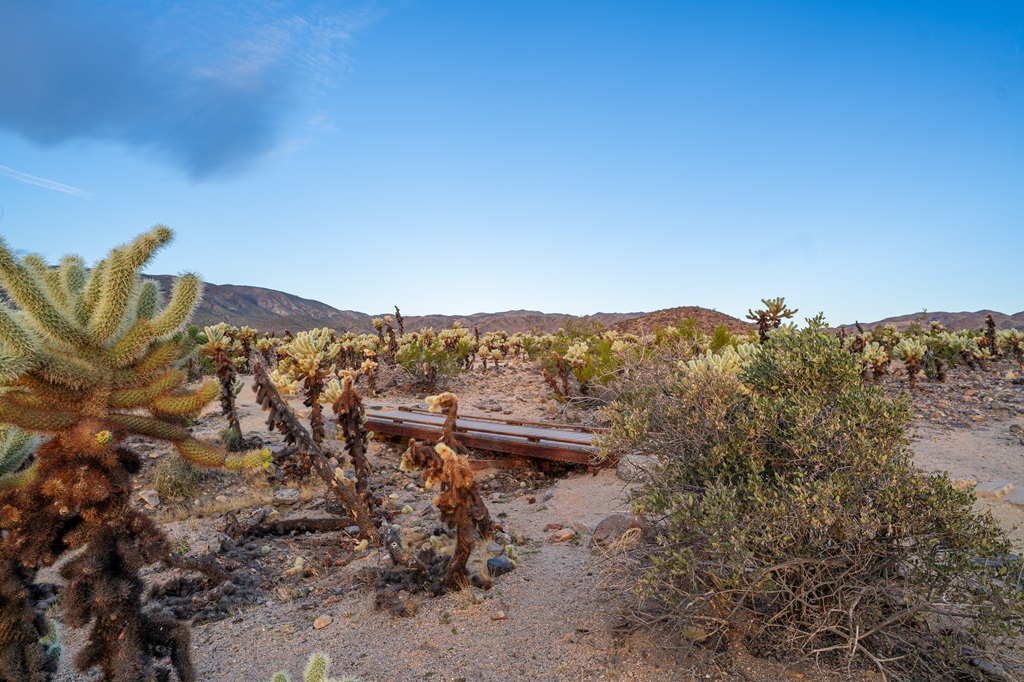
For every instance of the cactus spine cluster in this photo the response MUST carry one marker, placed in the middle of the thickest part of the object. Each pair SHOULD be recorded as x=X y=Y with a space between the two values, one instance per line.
x=90 y=357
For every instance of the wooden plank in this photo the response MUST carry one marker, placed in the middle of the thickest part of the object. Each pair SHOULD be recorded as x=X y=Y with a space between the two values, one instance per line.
x=466 y=425
x=503 y=420
x=509 y=444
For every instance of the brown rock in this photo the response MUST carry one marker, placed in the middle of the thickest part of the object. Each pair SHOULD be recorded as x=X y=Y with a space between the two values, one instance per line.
x=553 y=526
x=322 y=622
x=498 y=615
x=617 y=525
x=563 y=535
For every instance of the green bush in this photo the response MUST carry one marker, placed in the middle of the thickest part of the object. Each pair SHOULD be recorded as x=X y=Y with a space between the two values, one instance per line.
x=789 y=514
x=428 y=359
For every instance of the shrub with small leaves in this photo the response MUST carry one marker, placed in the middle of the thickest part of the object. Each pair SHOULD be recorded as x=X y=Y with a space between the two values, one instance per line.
x=790 y=516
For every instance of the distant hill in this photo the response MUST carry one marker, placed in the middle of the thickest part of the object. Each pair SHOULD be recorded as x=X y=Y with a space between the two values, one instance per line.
x=706 y=319
x=272 y=310
x=953 y=321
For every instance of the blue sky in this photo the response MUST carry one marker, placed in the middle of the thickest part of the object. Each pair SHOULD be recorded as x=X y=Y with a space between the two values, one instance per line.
x=863 y=159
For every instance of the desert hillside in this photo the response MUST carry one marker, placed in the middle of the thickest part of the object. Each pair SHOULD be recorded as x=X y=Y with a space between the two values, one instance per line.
x=272 y=310
x=706 y=319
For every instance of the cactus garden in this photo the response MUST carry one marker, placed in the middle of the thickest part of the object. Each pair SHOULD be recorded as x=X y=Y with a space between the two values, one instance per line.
x=186 y=503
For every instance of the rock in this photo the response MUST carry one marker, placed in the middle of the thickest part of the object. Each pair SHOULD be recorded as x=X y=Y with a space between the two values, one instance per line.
x=495 y=548
x=553 y=526
x=503 y=539
x=563 y=535
x=582 y=528
x=286 y=496
x=615 y=526
x=993 y=490
x=498 y=615
x=635 y=467
x=548 y=495
x=150 y=497
x=221 y=498
x=322 y=622
x=499 y=565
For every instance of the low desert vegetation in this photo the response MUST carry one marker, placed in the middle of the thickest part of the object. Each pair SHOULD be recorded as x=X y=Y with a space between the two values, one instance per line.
x=789 y=518
x=784 y=514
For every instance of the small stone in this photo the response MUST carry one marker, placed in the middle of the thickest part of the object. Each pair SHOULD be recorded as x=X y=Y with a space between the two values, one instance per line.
x=322 y=622
x=563 y=535
x=154 y=455
x=503 y=539
x=495 y=548
x=553 y=526
x=221 y=498
x=978 y=418
x=499 y=565
x=635 y=467
x=495 y=497
x=548 y=495
x=993 y=490
x=150 y=497
x=287 y=496
x=498 y=615
x=616 y=526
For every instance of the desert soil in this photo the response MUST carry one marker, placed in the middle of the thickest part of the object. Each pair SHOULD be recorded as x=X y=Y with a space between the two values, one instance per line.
x=557 y=616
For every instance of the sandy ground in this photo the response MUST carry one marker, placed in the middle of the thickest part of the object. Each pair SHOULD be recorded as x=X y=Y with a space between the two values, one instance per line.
x=556 y=617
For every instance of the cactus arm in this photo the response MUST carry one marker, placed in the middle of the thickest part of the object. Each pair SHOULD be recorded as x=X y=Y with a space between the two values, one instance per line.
x=16 y=480
x=72 y=276
x=114 y=296
x=12 y=365
x=15 y=447
x=14 y=335
x=50 y=277
x=68 y=370
x=185 y=295
x=136 y=396
x=147 y=426
x=187 y=404
x=24 y=288
x=148 y=300
x=90 y=293
x=316 y=668
x=32 y=418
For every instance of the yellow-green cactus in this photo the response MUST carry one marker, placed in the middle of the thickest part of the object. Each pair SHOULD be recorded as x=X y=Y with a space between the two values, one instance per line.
x=316 y=671
x=96 y=344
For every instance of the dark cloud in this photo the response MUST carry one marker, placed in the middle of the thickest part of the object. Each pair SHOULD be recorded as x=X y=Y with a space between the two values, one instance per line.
x=200 y=84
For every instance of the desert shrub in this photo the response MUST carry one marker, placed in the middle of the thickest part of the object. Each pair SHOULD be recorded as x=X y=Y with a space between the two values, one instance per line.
x=788 y=514
x=177 y=478
x=428 y=357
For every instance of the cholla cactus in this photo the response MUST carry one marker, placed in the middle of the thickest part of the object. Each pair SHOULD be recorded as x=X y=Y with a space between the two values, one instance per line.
x=309 y=361
x=369 y=369
x=90 y=358
x=316 y=671
x=727 y=361
x=1012 y=342
x=911 y=352
x=875 y=357
x=771 y=317
x=460 y=503
x=484 y=353
x=348 y=407
x=218 y=349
